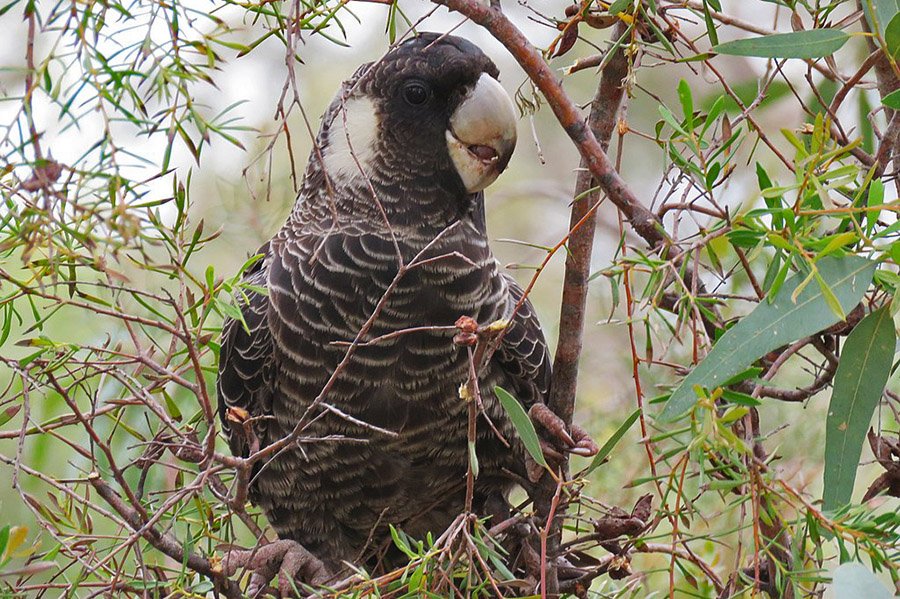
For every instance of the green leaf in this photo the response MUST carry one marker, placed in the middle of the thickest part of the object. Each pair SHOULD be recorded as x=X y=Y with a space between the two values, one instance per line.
x=778 y=281
x=836 y=242
x=612 y=441
x=858 y=383
x=830 y=298
x=710 y=25
x=400 y=542
x=619 y=6
x=4 y=538
x=415 y=580
x=881 y=16
x=229 y=310
x=669 y=118
x=814 y=43
x=889 y=231
x=895 y=252
x=772 y=324
x=6 y=327
x=17 y=536
x=9 y=413
x=6 y=8
x=853 y=580
x=749 y=373
x=687 y=103
x=172 y=407
x=741 y=399
x=876 y=198
x=892 y=100
x=892 y=36
x=716 y=109
x=524 y=427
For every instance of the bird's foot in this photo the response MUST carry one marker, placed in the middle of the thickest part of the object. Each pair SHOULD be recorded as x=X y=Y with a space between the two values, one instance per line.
x=557 y=439
x=286 y=559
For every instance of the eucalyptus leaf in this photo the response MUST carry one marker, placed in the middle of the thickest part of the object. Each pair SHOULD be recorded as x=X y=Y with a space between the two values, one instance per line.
x=814 y=43
x=879 y=13
x=773 y=324
x=858 y=383
x=892 y=36
x=613 y=441
x=524 y=427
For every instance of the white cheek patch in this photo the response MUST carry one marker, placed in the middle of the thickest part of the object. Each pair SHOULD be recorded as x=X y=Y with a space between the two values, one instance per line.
x=475 y=174
x=352 y=139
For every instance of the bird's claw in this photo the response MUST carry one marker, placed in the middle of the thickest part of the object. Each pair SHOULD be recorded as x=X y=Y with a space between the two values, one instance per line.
x=560 y=438
x=584 y=444
x=287 y=559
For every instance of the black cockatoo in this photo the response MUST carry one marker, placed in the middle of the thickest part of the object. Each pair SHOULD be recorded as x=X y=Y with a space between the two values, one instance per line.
x=395 y=181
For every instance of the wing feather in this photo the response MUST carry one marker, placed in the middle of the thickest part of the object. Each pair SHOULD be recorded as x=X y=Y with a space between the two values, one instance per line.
x=246 y=362
x=523 y=355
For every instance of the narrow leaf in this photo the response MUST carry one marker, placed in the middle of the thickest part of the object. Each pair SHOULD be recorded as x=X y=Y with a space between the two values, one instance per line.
x=671 y=120
x=4 y=538
x=17 y=535
x=172 y=407
x=524 y=427
x=831 y=299
x=687 y=103
x=401 y=543
x=876 y=198
x=710 y=25
x=814 y=43
x=6 y=8
x=9 y=413
x=858 y=384
x=773 y=324
x=613 y=441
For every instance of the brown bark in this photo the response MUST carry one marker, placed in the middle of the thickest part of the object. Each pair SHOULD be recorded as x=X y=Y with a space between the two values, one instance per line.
x=602 y=123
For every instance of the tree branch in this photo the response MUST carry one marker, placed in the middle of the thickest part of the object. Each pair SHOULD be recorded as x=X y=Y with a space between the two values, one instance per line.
x=602 y=123
x=164 y=542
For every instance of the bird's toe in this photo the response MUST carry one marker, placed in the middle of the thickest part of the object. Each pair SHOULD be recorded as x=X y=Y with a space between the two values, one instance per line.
x=557 y=438
x=292 y=563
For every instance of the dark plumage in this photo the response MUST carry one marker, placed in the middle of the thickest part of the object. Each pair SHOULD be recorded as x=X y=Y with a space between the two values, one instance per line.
x=327 y=269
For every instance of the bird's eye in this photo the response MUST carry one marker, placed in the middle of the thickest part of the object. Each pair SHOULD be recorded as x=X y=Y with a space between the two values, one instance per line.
x=416 y=93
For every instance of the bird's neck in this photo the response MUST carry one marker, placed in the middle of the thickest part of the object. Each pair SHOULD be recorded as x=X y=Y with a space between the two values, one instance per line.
x=371 y=207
